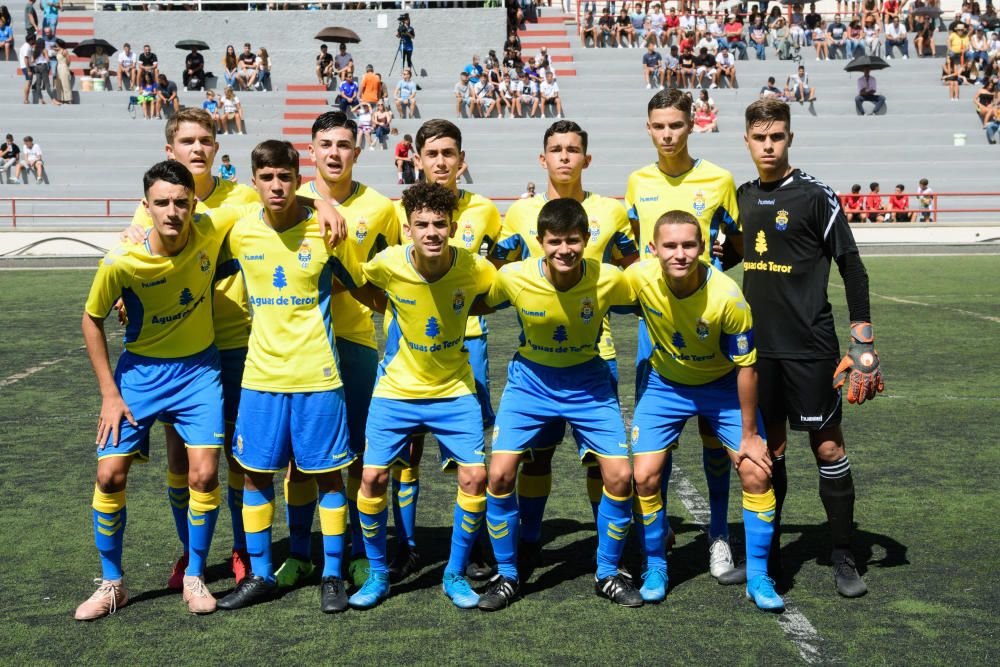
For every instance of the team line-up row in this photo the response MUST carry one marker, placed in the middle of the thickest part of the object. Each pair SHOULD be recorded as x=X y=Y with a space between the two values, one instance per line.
x=248 y=315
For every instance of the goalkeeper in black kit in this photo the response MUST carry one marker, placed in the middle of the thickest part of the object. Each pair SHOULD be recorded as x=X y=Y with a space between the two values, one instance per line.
x=793 y=228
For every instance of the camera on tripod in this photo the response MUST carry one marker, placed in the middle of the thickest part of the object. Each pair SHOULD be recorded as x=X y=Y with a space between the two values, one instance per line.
x=402 y=30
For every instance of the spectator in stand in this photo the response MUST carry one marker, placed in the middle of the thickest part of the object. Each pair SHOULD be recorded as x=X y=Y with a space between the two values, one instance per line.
x=513 y=42
x=231 y=68
x=9 y=155
x=705 y=68
x=31 y=161
x=148 y=63
x=624 y=32
x=797 y=87
x=686 y=25
x=923 y=43
x=248 y=69
x=926 y=198
x=726 y=66
x=527 y=97
x=405 y=95
x=854 y=204
x=505 y=96
x=891 y=9
x=705 y=101
x=686 y=68
x=227 y=170
x=819 y=41
x=263 y=81
x=512 y=63
x=474 y=70
x=979 y=47
x=324 y=67
x=734 y=37
x=951 y=76
x=363 y=115
x=781 y=39
x=31 y=24
x=232 y=110
x=166 y=95
x=50 y=14
x=717 y=31
x=771 y=90
x=838 y=39
x=51 y=48
x=896 y=38
x=672 y=27
x=343 y=62
x=7 y=40
x=588 y=29
x=404 y=160
x=813 y=20
x=64 y=76
x=147 y=95
x=874 y=207
x=26 y=61
x=958 y=44
x=128 y=72
x=368 y=89
x=899 y=205
x=486 y=96
x=606 y=29
x=381 y=124
x=347 y=94
x=652 y=67
x=773 y=17
x=658 y=25
x=211 y=106
x=796 y=28
x=991 y=120
x=549 y=91
x=465 y=96
x=984 y=99
x=529 y=190
x=871 y=29
x=638 y=18
x=758 y=38
x=705 y=115
x=855 y=40
x=868 y=92
x=40 y=72
x=194 y=70
x=709 y=43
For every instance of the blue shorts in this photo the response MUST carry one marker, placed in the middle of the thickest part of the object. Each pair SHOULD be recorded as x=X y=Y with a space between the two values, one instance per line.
x=453 y=421
x=644 y=350
x=185 y=392
x=358 y=368
x=309 y=426
x=537 y=396
x=233 y=362
x=665 y=407
x=480 y=362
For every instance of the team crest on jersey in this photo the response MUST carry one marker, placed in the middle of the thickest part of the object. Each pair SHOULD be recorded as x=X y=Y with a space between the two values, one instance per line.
x=239 y=444
x=458 y=301
x=361 y=230
x=468 y=235
x=204 y=262
x=305 y=253
x=699 y=204
x=781 y=220
x=595 y=229
x=760 y=243
x=586 y=309
x=701 y=328
x=635 y=434
x=496 y=432
x=742 y=344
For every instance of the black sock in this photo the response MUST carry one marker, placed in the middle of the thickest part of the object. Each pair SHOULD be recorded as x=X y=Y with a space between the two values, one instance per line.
x=836 y=490
x=779 y=481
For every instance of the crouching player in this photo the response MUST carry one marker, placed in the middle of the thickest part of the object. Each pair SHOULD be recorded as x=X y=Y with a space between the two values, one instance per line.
x=169 y=371
x=425 y=383
x=558 y=375
x=292 y=404
x=702 y=363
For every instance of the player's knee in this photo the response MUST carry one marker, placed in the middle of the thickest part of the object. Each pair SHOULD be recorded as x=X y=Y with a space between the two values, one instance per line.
x=203 y=474
x=754 y=478
x=647 y=480
x=330 y=481
x=502 y=479
x=472 y=480
x=111 y=480
x=374 y=482
x=618 y=479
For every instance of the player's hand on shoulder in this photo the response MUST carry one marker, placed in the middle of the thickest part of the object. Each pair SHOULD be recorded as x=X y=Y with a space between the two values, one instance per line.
x=860 y=369
x=133 y=234
x=332 y=224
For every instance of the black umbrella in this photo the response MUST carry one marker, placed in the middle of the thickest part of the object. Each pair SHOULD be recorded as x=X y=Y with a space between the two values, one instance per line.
x=932 y=12
x=335 y=34
x=88 y=47
x=188 y=44
x=862 y=62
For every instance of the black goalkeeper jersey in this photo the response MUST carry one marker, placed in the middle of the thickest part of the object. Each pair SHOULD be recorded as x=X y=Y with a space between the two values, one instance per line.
x=792 y=229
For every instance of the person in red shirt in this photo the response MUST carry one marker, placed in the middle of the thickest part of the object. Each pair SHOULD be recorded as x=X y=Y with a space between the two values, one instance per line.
x=734 y=36
x=874 y=206
x=672 y=26
x=854 y=204
x=404 y=160
x=899 y=204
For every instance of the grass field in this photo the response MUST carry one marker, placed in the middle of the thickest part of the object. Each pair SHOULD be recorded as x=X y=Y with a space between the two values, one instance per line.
x=924 y=456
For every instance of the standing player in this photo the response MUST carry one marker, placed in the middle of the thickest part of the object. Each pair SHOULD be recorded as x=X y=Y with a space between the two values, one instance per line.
x=702 y=364
x=425 y=383
x=440 y=156
x=371 y=227
x=677 y=181
x=564 y=156
x=292 y=404
x=558 y=376
x=794 y=229
x=169 y=371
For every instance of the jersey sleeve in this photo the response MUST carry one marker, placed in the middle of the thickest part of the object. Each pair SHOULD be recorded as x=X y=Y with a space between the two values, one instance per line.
x=630 y=199
x=509 y=244
x=491 y=228
x=393 y=233
x=107 y=286
x=621 y=297
x=836 y=236
x=499 y=296
x=343 y=261
x=623 y=241
x=228 y=263
x=729 y=209
x=141 y=217
x=376 y=271
x=736 y=340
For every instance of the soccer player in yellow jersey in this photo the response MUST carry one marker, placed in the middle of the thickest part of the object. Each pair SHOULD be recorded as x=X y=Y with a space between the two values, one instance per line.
x=558 y=375
x=702 y=363
x=292 y=403
x=168 y=371
x=678 y=181
x=564 y=156
x=372 y=226
x=425 y=383
x=440 y=156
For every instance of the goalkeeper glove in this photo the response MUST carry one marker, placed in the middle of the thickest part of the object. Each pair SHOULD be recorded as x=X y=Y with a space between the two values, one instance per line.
x=860 y=368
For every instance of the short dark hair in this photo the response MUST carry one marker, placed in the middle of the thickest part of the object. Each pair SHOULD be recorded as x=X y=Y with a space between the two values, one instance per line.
x=407 y=137
x=856 y=188
x=28 y=137
x=333 y=119
x=169 y=171
x=670 y=98
x=676 y=217
x=768 y=110
x=561 y=216
x=274 y=153
x=873 y=186
x=923 y=181
x=430 y=196
x=437 y=128
x=564 y=127
x=225 y=158
x=900 y=186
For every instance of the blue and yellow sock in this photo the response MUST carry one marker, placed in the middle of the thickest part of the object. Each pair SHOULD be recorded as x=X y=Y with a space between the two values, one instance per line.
x=758 y=517
x=715 y=460
x=467 y=522
x=177 y=491
x=374 y=515
x=203 y=512
x=613 y=518
x=300 y=506
x=532 y=494
x=109 y=531
x=234 y=499
x=258 y=515
x=405 y=492
x=333 y=523
x=502 y=525
x=650 y=522
x=595 y=491
x=357 y=542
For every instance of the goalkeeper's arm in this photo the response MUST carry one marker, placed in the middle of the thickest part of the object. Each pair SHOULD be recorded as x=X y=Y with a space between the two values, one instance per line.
x=859 y=368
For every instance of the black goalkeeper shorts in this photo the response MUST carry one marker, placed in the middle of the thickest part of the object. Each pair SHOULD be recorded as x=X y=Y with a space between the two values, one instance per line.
x=799 y=391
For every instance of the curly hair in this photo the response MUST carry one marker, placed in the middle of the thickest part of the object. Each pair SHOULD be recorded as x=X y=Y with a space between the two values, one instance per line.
x=429 y=196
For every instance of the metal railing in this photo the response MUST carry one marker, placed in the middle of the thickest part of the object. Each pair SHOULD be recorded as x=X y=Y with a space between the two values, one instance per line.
x=249 y=5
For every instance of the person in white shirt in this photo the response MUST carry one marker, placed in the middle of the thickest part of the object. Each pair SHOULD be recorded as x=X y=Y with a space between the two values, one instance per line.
x=797 y=86
x=895 y=36
x=708 y=43
x=127 y=70
x=717 y=31
x=26 y=61
x=657 y=21
x=725 y=64
x=31 y=160
x=526 y=100
x=549 y=90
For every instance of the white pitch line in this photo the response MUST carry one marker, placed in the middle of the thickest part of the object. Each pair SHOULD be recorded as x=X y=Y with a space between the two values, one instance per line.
x=28 y=372
x=794 y=624
x=911 y=302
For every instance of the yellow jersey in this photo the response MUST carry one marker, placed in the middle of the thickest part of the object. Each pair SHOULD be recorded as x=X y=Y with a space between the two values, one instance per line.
x=371 y=227
x=560 y=329
x=701 y=337
x=424 y=352
x=231 y=315
x=168 y=299
x=289 y=280
x=707 y=191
